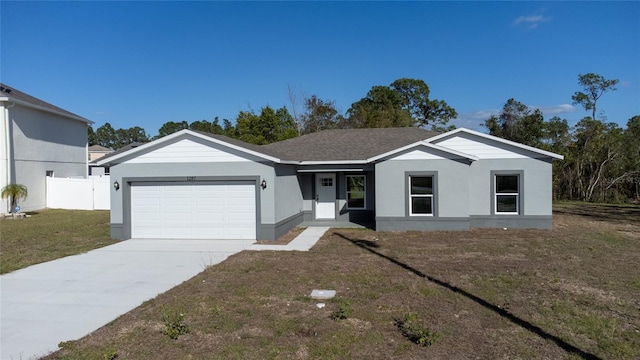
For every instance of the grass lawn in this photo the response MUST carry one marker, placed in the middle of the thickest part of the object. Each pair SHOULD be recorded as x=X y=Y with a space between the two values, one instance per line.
x=51 y=234
x=568 y=293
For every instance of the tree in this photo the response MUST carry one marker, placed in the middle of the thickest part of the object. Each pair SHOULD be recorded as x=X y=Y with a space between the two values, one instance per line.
x=319 y=115
x=423 y=110
x=228 y=129
x=270 y=126
x=91 y=136
x=404 y=103
x=517 y=122
x=208 y=127
x=594 y=86
x=14 y=192
x=128 y=136
x=106 y=136
x=382 y=107
x=598 y=148
x=171 y=127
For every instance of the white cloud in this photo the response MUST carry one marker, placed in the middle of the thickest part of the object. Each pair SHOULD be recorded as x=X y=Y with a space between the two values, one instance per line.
x=531 y=21
x=556 y=109
x=474 y=120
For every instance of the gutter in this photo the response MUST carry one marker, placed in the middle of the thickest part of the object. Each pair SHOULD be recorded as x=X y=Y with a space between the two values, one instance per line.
x=45 y=109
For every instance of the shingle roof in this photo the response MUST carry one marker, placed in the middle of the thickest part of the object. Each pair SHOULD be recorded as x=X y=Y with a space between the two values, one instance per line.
x=346 y=144
x=326 y=145
x=19 y=96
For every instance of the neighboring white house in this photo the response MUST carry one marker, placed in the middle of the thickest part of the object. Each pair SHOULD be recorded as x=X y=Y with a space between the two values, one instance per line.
x=38 y=140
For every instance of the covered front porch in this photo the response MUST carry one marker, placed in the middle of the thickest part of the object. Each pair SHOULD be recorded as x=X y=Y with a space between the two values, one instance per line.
x=338 y=195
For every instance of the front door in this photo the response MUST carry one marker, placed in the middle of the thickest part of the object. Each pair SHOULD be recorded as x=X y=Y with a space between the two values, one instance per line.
x=326 y=196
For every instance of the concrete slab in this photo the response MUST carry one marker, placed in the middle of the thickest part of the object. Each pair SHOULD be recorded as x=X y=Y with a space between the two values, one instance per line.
x=68 y=298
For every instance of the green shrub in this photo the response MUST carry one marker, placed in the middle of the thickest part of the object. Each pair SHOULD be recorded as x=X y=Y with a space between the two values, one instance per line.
x=413 y=329
x=344 y=311
x=174 y=323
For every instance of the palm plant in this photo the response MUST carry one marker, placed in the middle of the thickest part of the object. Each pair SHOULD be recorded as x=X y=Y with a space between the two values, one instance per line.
x=14 y=192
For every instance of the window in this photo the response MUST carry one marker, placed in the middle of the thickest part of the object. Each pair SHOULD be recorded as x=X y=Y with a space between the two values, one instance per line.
x=326 y=181
x=421 y=195
x=356 y=191
x=507 y=193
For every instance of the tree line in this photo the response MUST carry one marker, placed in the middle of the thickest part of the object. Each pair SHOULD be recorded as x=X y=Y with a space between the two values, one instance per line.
x=602 y=160
x=405 y=102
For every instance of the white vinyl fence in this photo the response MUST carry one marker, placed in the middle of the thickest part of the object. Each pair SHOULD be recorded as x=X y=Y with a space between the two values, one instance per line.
x=91 y=193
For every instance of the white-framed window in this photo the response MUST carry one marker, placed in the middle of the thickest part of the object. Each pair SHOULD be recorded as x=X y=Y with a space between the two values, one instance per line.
x=326 y=181
x=507 y=194
x=421 y=195
x=356 y=191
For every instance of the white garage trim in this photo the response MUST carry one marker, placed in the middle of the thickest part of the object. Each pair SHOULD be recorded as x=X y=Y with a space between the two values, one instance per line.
x=193 y=210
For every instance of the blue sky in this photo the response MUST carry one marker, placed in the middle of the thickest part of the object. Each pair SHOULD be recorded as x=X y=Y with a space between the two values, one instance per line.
x=146 y=63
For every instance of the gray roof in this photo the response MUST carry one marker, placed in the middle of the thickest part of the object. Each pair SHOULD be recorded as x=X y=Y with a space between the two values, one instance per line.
x=19 y=96
x=326 y=145
x=346 y=144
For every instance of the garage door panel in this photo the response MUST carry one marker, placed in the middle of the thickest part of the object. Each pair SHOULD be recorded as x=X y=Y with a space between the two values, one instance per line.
x=202 y=211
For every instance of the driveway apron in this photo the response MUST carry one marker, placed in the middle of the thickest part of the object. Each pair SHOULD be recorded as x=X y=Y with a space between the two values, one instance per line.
x=68 y=298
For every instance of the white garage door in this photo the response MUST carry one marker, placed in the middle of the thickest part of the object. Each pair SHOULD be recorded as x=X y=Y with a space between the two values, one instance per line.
x=193 y=210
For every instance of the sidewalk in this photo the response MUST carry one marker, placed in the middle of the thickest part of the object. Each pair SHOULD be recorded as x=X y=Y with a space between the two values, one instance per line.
x=302 y=242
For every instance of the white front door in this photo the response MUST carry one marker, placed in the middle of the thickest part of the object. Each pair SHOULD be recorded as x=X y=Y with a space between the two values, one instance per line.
x=326 y=196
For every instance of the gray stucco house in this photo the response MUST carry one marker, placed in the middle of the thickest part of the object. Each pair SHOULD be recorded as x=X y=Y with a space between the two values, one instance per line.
x=38 y=140
x=197 y=185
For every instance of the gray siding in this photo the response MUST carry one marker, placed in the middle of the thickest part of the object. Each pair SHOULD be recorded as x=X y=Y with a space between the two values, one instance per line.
x=43 y=141
x=452 y=194
x=288 y=193
x=537 y=185
x=464 y=196
x=288 y=201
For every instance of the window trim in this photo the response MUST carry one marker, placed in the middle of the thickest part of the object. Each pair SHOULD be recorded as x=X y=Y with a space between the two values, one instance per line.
x=364 y=192
x=519 y=194
x=408 y=196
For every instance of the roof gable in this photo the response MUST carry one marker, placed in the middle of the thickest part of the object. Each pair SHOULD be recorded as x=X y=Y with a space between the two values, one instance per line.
x=422 y=150
x=173 y=148
x=188 y=150
x=486 y=146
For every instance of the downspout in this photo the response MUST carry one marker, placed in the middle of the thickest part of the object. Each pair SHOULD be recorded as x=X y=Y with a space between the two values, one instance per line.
x=6 y=123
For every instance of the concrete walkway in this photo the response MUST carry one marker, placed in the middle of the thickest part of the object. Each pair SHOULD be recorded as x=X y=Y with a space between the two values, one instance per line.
x=68 y=298
x=302 y=242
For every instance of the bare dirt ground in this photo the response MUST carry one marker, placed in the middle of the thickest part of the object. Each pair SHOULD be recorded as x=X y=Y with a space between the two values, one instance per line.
x=568 y=293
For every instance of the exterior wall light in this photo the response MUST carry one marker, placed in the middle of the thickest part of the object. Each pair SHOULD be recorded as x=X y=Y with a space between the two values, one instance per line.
x=263 y=184
x=116 y=185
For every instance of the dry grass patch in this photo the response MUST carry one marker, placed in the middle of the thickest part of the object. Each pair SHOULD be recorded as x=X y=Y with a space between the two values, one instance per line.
x=567 y=293
x=51 y=234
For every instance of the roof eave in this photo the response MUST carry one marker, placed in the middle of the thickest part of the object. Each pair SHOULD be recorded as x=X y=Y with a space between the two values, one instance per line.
x=497 y=139
x=332 y=162
x=52 y=111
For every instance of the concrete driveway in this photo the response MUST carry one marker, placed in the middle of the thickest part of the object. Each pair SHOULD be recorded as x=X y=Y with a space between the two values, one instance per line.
x=68 y=298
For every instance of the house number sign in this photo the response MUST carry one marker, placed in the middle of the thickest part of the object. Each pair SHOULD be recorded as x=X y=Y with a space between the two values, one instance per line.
x=191 y=178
